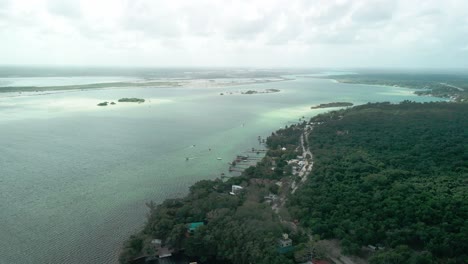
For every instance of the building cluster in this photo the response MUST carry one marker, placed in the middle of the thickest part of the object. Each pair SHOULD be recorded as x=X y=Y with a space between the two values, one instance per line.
x=297 y=164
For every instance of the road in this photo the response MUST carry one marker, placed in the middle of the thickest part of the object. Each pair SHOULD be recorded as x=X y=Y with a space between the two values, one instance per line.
x=453 y=86
x=308 y=164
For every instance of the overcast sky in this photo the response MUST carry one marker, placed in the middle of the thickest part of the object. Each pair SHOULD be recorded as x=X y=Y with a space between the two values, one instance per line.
x=267 y=33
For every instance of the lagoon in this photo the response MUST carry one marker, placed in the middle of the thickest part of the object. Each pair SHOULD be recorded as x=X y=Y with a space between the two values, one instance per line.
x=74 y=177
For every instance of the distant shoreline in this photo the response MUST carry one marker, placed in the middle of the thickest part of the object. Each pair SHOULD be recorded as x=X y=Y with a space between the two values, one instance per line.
x=452 y=93
x=39 y=90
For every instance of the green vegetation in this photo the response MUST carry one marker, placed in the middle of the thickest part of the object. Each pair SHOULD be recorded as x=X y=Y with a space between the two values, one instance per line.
x=391 y=176
x=271 y=90
x=451 y=86
x=334 y=104
x=237 y=229
x=261 y=92
x=131 y=100
x=103 y=104
x=250 y=92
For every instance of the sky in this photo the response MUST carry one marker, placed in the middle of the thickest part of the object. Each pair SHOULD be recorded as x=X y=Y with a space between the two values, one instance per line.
x=240 y=33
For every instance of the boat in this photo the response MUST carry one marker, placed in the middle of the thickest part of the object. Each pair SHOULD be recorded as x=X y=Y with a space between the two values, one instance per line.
x=219 y=158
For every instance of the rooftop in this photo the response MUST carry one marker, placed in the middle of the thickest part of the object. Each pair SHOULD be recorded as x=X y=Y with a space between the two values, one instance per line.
x=194 y=225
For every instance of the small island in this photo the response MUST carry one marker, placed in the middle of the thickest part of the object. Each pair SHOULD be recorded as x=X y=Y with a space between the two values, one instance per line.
x=334 y=104
x=261 y=92
x=122 y=100
x=131 y=100
x=266 y=91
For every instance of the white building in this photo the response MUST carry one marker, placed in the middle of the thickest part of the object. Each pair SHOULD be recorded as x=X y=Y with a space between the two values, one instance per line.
x=235 y=189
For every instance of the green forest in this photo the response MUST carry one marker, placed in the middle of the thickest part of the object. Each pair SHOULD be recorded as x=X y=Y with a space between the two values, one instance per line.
x=391 y=176
x=236 y=228
x=386 y=177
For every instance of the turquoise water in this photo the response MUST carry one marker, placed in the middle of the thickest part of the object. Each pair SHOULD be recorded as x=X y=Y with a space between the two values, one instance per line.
x=74 y=177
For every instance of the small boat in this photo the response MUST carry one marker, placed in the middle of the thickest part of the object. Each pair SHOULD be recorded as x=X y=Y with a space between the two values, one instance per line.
x=219 y=158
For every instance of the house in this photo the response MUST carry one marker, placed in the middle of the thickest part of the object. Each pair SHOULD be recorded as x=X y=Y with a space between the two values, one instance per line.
x=156 y=241
x=294 y=171
x=191 y=227
x=292 y=161
x=271 y=197
x=301 y=164
x=162 y=252
x=235 y=189
x=285 y=241
x=285 y=244
x=376 y=247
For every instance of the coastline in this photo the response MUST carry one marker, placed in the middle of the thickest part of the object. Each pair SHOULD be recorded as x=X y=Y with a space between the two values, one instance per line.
x=266 y=119
x=17 y=91
x=259 y=187
x=282 y=185
x=415 y=91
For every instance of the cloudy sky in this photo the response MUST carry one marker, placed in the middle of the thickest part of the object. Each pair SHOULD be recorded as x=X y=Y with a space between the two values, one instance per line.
x=263 y=33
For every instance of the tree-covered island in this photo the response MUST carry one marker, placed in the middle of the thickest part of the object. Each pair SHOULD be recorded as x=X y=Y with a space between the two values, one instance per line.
x=389 y=181
x=131 y=100
x=248 y=92
x=333 y=104
x=271 y=90
x=123 y=100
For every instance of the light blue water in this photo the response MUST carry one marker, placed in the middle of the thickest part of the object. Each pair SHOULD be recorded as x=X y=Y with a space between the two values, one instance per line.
x=74 y=177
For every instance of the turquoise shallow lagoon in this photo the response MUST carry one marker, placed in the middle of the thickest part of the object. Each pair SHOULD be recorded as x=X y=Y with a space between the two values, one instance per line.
x=74 y=177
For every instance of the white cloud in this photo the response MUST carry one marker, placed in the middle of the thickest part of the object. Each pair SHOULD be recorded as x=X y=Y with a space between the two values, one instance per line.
x=291 y=33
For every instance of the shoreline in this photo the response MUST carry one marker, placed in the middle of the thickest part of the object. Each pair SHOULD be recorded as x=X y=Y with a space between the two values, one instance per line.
x=248 y=183
x=287 y=183
x=413 y=89
x=17 y=91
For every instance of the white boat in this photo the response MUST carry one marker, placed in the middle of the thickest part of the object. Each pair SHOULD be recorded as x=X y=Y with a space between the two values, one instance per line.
x=219 y=158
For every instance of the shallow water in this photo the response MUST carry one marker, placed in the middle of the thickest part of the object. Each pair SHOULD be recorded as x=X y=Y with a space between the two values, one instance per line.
x=74 y=177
